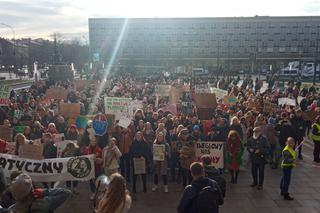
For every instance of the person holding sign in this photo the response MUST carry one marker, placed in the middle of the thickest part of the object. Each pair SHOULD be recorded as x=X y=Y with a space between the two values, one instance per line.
x=288 y=163
x=19 y=140
x=234 y=154
x=111 y=156
x=161 y=155
x=187 y=156
x=140 y=150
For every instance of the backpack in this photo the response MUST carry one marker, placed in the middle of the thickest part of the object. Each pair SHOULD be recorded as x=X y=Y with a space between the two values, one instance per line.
x=207 y=200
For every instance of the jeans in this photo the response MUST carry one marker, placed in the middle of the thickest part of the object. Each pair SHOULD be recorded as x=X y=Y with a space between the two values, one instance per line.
x=285 y=180
x=257 y=170
x=125 y=166
x=185 y=173
x=156 y=179
x=316 y=150
x=144 y=182
x=175 y=164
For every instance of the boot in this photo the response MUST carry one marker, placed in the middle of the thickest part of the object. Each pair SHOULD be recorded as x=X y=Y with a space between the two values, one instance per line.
x=236 y=177
x=232 y=176
x=287 y=197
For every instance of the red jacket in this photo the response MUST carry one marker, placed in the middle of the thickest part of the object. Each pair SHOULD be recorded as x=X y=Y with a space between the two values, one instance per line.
x=97 y=151
x=3 y=146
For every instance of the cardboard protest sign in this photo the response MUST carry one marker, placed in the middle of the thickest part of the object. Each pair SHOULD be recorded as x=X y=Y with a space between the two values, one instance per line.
x=162 y=90
x=57 y=93
x=270 y=107
x=204 y=113
x=31 y=151
x=205 y=101
x=172 y=108
x=124 y=122
x=62 y=145
x=230 y=100
x=213 y=149
x=175 y=95
x=139 y=165
x=70 y=110
x=120 y=107
x=82 y=84
x=286 y=101
x=158 y=152
x=220 y=93
x=6 y=133
x=202 y=88
x=309 y=115
x=50 y=170
x=19 y=129
x=4 y=95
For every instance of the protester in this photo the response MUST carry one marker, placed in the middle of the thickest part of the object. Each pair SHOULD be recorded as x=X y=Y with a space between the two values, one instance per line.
x=288 y=163
x=187 y=156
x=300 y=126
x=316 y=140
x=203 y=195
x=94 y=149
x=116 y=199
x=234 y=153
x=140 y=149
x=213 y=173
x=71 y=150
x=257 y=147
x=29 y=199
x=161 y=166
x=111 y=156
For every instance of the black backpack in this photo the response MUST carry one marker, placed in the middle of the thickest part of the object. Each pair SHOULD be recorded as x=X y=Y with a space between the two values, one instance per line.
x=207 y=200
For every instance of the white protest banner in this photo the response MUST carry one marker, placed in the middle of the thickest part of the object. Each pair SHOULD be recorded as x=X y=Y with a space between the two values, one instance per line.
x=158 y=152
x=202 y=88
x=31 y=151
x=135 y=105
x=4 y=95
x=124 y=122
x=220 y=93
x=162 y=90
x=62 y=145
x=139 y=165
x=120 y=107
x=212 y=148
x=286 y=101
x=50 y=170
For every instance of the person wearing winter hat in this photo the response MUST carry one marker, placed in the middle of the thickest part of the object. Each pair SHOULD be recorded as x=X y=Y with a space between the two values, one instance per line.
x=29 y=199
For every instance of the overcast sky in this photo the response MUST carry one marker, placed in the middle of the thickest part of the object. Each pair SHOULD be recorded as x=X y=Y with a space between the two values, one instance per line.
x=40 y=18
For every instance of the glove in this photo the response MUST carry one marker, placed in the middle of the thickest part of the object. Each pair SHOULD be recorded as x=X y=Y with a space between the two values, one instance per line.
x=38 y=193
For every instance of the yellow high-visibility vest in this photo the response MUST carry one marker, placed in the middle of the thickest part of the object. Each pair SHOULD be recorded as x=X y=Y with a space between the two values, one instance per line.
x=293 y=154
x=316 y=137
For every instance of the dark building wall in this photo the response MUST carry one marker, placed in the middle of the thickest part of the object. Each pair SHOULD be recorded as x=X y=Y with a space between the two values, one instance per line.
x=207 y=39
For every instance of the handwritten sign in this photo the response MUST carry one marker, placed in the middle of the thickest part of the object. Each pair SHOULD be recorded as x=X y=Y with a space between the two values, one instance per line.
x=286 y=101
x=124 y=122
x=4 y=95
x=201 y=88
x=158 y=152
x=220 y=93
x=100 y=124
x=213 y=149
x=162 y=90
x=205 y=100
x=31 y=151
x=70 y=110
x=139 y=165
x=120 y=107
x=230 y=100
x=62 y=145
x=6 y=133
x=57 y=93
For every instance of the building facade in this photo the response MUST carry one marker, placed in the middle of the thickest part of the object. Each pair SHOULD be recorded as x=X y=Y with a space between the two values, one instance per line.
x=205 y=41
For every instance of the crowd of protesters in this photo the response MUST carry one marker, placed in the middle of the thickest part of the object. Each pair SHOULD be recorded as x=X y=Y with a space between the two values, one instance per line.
x=247 y=128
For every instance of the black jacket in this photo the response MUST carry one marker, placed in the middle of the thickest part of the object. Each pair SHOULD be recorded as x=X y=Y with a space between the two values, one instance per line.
x=140 y=149
x=187 y=201
x=259 y=144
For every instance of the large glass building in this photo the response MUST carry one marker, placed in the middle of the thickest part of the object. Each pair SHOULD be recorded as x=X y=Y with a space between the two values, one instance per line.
x=234 y=41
